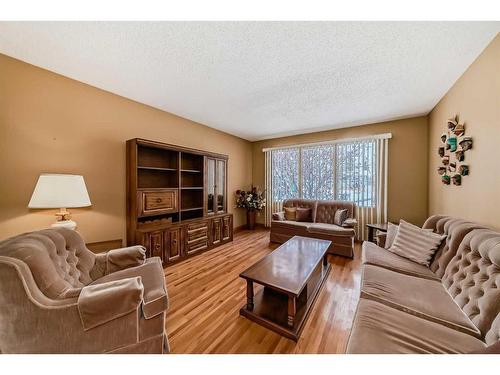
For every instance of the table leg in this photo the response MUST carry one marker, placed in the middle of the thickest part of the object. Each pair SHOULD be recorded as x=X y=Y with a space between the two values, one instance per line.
x=370 y=234
x=249 y=295
x=292 y=309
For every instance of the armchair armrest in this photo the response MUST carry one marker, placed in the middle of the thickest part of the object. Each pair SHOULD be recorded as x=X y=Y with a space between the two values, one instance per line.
x=349 y=223
x=101 y=303
x=126 y=257
x=279 y=216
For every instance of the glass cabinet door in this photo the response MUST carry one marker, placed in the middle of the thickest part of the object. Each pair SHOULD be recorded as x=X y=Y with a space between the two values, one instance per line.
x=220 y=186
x=210 y=186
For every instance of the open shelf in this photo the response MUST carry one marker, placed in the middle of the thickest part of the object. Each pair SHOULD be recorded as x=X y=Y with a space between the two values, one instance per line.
x=191 y=162
x=191 y=171
x=154 y=157
x=192 y=187
x=157 y=168
x=153 y=178
x=192 y=213
x=191 y=199
x=191 y=209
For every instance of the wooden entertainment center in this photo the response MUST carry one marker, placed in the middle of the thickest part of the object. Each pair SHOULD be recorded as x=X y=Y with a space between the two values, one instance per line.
x=176 y=199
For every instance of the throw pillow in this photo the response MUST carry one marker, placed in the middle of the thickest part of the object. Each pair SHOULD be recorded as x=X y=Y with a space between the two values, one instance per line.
x=290 y=213
x=303 y=214
x=392 y=230
x=340 y=217
x=416 y=244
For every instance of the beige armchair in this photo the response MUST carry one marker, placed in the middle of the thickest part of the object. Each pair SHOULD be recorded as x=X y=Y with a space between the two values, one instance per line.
x=56 y=296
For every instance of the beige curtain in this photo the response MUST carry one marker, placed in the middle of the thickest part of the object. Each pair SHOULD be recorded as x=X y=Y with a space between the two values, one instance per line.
x=378 y=212
x=268 y=181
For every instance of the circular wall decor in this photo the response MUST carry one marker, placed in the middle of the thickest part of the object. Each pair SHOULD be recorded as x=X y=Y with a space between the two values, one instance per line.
x=454 y=145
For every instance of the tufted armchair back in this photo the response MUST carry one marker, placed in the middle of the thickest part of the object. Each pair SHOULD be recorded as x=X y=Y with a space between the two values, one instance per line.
x=325 y=211
x=455 y=231
x=472 y=278
x=57 y=258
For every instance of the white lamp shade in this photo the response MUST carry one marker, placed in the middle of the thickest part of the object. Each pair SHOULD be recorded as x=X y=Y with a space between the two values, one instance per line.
x=60 y=191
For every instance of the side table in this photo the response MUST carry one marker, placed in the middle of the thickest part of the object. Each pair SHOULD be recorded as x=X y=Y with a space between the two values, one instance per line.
x=376 y=226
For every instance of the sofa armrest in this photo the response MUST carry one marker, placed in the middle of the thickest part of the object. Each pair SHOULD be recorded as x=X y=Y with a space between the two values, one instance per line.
x=279 y=216
x=349 y=223
x=101 y=303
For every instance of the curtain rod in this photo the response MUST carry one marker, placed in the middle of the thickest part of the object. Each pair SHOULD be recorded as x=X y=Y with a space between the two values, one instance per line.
x=344 y=140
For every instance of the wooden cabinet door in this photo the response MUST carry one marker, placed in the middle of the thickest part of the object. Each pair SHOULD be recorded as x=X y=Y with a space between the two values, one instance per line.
x=227 y=228
x=174 y=248
x=216 y=232
x=156 y=244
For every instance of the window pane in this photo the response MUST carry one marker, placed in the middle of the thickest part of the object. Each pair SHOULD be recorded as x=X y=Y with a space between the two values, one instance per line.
x=355 y=172
x=285 y=164
x=317 y=172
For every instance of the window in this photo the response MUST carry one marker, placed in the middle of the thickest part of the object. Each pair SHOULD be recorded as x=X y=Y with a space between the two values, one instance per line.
x=342 y=171
x=318 y=172
x=355 y=173
x=285 y=164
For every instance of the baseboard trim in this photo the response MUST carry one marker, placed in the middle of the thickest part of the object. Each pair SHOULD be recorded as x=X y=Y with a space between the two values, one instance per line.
x=244 y=227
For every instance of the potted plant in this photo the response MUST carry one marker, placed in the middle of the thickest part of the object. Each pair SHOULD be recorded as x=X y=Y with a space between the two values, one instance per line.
x=252 y=201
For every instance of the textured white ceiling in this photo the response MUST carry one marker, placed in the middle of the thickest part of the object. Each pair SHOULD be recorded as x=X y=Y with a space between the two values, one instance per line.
x=260 y=80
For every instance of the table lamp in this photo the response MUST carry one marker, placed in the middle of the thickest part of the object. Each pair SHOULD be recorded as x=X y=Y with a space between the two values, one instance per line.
x=60 y=191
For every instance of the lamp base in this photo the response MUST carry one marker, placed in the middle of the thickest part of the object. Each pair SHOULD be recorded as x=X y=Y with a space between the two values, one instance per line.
x=68 y=224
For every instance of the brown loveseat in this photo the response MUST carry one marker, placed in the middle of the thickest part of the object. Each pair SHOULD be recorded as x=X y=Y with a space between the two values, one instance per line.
x=56 y=296
x=452 y=306
x=320 y=225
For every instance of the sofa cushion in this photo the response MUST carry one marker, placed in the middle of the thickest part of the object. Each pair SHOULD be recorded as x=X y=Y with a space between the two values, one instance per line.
x=290 y=213
x=421 y=297
x=330 y=229
x=378 y=256
x=381 y=329
x=302 y=203
x=416 y=244
x=153 y=279
x=392 y=230
x=303 y=214
x=341 y=215
x=292 y=225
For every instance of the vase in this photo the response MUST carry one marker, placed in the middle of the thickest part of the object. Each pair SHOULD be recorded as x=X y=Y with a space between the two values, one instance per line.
x=251 y=220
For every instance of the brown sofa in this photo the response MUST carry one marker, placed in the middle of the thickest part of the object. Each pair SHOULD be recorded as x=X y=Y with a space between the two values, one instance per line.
x=453 y=306
x=56 y=296
x=321 y=225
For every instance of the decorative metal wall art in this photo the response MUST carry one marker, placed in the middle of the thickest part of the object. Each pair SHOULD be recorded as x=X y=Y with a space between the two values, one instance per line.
x=454 y=143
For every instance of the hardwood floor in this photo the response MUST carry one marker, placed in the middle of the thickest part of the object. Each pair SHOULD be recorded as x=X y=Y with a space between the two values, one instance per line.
x=206 y=295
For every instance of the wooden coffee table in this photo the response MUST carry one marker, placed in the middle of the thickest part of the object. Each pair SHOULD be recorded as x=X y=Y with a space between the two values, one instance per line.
x=292 y=276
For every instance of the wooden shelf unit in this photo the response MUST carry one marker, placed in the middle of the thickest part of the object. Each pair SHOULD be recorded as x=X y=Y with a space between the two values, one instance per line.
x=171 y=205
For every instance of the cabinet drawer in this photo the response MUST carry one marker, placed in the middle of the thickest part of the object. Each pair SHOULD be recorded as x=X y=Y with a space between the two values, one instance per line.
x=197 y=231
x=197 y=244
x=194 y=226
x=157 y=202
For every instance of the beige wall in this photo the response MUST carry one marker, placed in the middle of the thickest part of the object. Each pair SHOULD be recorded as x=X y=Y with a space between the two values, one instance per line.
x=407 y=188
x=49 y=123
x=475 y=97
